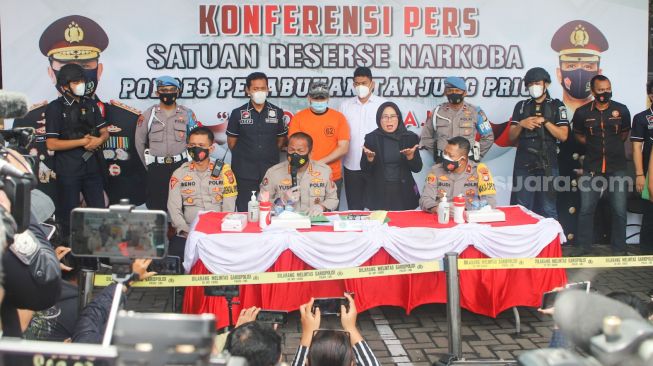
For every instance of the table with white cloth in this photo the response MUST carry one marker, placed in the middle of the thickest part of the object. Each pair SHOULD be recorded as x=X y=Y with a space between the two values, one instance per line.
x=409 y=237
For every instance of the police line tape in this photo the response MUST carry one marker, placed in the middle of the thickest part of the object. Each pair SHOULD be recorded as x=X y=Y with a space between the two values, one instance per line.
x=384 y=270
x=280 y=277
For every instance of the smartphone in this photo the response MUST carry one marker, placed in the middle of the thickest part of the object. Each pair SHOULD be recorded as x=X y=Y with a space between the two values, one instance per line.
x=222 y=291
x=549 y=298
x=330 y=305
x=108 y=233
x=272 y=316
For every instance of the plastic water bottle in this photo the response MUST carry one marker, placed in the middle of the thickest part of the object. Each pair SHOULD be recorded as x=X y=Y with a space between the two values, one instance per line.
x=265 y=214
x=253 y=208
x=443 y=210
x=459 y=209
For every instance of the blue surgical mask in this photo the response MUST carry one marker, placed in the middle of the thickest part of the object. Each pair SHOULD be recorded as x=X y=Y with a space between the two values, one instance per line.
x=319 y=107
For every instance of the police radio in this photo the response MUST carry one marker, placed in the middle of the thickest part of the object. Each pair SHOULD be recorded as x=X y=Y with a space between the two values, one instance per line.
x=218 y=164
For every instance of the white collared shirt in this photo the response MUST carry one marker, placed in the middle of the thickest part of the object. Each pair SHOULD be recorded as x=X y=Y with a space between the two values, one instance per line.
x=362 y=120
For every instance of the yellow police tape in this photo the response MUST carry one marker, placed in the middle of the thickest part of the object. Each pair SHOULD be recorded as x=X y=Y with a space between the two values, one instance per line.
x=280 y=277
x=383 y=270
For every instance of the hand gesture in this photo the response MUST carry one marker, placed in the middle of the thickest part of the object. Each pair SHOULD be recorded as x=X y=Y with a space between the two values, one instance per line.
x=247 y=315
x=369 y=154
x=640 y=181
x=140 y=268
x=531 y=123
x=61 y=252
x=310 y=322
x=410 y=152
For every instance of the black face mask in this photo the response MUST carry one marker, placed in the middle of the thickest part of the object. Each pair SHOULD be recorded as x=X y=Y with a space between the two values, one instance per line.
x=168 y=98
x=577 y=82
x=91 y=81
x=450 y=165
x=198 y=153
x=298 y=161
x=604 y=97
x=455 y=98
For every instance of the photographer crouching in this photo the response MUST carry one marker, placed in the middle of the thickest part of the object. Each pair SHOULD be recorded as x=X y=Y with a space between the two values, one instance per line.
x=32 y=276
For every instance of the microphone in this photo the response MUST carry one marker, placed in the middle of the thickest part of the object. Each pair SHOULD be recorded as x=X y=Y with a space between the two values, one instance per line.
x=12 y=104
x=580 y=315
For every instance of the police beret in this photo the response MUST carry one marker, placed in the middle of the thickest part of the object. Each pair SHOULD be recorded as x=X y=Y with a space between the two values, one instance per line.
x=579 y=40
x=455 y=82
x=167 y=81
x=74 y=37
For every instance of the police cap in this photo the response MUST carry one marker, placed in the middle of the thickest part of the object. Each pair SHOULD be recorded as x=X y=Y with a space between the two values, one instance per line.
x=167 y=81
x=455 y=82
x=537 y=74
x=579 y=40
x=70 y=72
x=74 y=37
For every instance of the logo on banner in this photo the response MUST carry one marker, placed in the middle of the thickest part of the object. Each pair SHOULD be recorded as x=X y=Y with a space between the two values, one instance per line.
x=579 y=37
x=74 y=33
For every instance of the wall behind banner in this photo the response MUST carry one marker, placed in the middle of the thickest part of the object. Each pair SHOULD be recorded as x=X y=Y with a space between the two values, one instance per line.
x=212 y=46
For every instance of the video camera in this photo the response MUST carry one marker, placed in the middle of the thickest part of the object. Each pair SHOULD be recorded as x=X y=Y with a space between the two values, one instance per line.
x=610 y=332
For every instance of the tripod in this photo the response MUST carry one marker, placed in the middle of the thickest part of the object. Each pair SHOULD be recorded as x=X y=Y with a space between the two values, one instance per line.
x=228 y=292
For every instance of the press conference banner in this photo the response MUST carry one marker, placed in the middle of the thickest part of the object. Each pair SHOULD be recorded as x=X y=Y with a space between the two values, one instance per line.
x=410 y=46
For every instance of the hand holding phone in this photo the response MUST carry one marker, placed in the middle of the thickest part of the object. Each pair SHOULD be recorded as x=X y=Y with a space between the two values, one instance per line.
x=272 y=316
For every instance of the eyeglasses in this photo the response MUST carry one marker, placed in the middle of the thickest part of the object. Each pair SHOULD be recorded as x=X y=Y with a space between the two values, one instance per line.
x=387 y=117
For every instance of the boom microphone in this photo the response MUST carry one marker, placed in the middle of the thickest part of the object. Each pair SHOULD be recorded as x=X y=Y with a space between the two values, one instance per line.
x=12 y=104
x=580 y=315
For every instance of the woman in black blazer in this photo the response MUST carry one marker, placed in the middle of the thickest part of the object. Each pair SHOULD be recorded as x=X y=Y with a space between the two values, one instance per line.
x=389 y=156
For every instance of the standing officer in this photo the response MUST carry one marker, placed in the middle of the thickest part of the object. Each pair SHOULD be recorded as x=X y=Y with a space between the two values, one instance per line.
x=602 y=126
x=642 y=139
x=537 y=123
x=193 y=188
x=456 y=174
x=75 y=130
x=255 y=134
x=579 y=45
x=80 y=40
x=456 y=118
x=161 y=134
x=314 y=191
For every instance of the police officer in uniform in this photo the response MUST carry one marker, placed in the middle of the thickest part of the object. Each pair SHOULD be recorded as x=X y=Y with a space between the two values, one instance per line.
x=579 y=45
x=160 y=139
x=304 y=183
x=538 y=123
x=196 y=187
x=457 y=174
x=255 y=134
x=80 y=40
x=456 y=118
x=75 y=131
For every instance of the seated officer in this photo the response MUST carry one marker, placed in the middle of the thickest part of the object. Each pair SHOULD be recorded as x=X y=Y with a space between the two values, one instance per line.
x=195 y=187
x=455 y=175
x=307 y=183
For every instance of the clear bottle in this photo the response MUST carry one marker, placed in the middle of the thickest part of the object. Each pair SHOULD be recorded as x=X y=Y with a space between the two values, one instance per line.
x=253 y=208
x=443 y=210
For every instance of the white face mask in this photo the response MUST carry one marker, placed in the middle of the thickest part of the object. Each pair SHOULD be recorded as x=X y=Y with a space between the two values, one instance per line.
x=362 y=91
x=259 y=97
x=79 y=89
x=535 y=91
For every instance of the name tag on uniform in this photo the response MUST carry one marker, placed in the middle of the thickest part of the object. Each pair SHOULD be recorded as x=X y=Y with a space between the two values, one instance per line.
x=246 y=121
x=270 y=120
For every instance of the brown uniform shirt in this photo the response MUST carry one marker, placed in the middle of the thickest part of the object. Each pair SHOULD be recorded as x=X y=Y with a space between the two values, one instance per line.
x=165 y=136
x=315 y=185
x=439 y=180
x=451 y=123
x=192 y=191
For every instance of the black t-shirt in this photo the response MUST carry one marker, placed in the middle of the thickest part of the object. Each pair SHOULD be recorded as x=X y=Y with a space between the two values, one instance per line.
x=67 y=120
x=643 y=132
x=256 y=150
x=603 y=129
x=554 y=111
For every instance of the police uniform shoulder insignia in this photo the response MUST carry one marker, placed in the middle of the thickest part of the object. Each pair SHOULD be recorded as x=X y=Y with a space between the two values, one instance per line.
x=38 y=105
x=173 y=182
x=140 y=121
x=469 y=168
x=430 y=179
x=485 y=181
x=125 y=107
x=265 y=181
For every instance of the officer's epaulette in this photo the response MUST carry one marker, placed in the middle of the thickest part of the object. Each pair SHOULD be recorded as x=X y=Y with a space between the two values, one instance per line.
x=38 y=105
x=125 y=106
